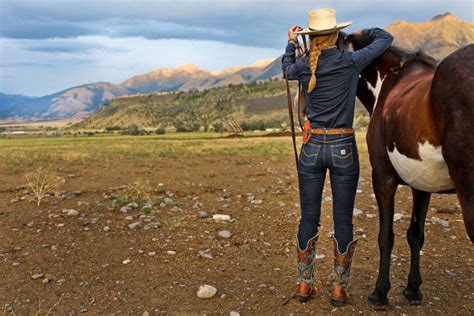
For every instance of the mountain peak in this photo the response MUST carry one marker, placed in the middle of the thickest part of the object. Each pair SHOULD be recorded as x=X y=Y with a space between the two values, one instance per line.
x=443 y=16
x=188 y=68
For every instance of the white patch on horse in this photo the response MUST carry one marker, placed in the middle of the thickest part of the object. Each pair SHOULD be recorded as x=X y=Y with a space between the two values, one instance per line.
x=376 y=89
x=429 y=174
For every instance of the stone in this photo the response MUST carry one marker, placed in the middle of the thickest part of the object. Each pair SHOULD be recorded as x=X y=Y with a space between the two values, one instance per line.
x=327 y=199
x=225 y=234
x=319 y=256
x=368 y=215
x=106 y=228
x=126 y=261
x=206 y=291
x=202 y=214
x=397 y=217
x=71 y=212
x=152 y=253
x=133 y=205
x=153 y=225
x=125 y=209
x=136 y=225
x=206 y=253
x=357 y=212
x=168 y=200
x=221 y=218
x=171 y=252
x=37 y=276
x=234 y=313
x=439 y=221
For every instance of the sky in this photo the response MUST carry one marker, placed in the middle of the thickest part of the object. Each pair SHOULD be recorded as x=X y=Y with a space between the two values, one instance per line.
x=50 y=45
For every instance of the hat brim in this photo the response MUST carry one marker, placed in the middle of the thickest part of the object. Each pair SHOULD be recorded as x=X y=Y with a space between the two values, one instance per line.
x=339 y=26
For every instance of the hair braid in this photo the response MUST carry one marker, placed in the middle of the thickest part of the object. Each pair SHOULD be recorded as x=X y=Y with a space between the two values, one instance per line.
x=317 y=44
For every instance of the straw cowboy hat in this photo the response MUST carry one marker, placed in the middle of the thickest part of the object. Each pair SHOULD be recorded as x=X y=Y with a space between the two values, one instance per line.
x=323 y=21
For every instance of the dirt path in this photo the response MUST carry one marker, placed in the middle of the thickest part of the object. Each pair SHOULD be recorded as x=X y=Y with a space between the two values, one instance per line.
x=86 y=267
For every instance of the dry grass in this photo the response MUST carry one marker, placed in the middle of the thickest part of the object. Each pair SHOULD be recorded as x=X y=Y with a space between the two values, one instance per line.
x=41 y=182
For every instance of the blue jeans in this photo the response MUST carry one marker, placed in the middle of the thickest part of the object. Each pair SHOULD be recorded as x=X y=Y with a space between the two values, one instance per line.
x=338 y=153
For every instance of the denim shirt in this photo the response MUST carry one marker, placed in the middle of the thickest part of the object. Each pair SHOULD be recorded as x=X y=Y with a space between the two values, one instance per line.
x=331 y=104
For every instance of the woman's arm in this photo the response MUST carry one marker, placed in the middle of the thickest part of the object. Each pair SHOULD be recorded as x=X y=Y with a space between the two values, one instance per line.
x=289 y=58
x=381 y=40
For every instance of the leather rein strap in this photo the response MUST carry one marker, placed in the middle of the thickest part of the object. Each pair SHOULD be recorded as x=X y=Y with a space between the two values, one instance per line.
x=302 y=52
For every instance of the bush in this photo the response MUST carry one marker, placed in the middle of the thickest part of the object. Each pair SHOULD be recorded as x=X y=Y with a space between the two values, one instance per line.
x=133 y=130
x=110 y=129
x=160 y=131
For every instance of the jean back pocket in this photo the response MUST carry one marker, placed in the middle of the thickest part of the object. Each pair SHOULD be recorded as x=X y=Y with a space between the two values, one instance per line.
x=309 y=154
x=342 y=155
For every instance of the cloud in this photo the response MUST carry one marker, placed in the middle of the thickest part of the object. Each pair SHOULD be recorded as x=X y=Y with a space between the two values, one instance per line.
x=251 y=23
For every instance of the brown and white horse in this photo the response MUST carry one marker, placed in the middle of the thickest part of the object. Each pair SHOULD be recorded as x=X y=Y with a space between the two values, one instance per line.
x=422 y=115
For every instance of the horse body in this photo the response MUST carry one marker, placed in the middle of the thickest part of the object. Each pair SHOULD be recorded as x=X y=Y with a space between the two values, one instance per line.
x=418 y=135
x=412 y=143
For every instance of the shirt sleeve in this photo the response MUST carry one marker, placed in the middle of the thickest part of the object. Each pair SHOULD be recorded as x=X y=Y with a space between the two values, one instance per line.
x=289 y=61
x=381 y=40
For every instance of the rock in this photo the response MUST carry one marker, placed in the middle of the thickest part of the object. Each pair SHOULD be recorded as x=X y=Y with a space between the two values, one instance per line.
x=71 y=212
x=319 y=256
x=125 y=209
x=126 y=261
x=145 y=313
x=439 y=221
x=15 y=264
x=37 y=276
x=153 y=225
x=45 y=280
x=106 y=228
x=136 y=225
x=206 y=291
x=359 y=231
x=370 y=215
x=234 y=313
x=357 y=212
x=152 y=253
x=168 y=200
x=171 y=252
x=225 y=234
x=129 y=217
x=206 y=253
x=221 y=218
x=327 y=199
x=133 y=205
x=397 y=217
x=202 y=214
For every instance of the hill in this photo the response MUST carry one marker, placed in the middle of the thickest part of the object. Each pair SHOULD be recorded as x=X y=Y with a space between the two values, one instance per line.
x=76 y=102
x=253 y=105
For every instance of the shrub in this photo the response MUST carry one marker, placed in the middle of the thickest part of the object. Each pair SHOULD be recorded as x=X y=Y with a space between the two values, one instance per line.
x=41 y=181
x=160 y=131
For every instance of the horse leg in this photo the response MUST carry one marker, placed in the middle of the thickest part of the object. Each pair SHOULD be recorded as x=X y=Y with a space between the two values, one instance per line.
x=416 y=237
x=385 y=187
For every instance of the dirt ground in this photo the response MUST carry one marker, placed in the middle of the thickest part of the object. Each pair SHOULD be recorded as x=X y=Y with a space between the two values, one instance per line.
x=94 y=263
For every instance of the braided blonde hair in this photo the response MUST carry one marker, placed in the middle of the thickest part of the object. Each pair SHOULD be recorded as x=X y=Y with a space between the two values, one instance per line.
x=316 y=44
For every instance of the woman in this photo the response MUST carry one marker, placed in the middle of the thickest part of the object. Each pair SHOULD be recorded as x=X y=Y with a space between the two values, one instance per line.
x=329 y=78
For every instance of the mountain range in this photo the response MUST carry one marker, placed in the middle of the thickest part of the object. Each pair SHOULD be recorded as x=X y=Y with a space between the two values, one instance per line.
x=438 y=37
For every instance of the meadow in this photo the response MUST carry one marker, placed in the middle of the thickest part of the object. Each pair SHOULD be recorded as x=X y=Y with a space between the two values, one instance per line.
x=129 y=229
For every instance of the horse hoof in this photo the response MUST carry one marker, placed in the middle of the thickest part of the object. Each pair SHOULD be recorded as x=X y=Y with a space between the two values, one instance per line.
x=414 y=297
x=378 y=303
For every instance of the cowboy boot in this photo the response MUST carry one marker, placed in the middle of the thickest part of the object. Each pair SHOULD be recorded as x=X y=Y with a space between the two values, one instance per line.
x=305 y=260
x=342 y=273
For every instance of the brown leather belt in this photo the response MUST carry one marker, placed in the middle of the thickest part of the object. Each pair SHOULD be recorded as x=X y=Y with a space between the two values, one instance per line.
x=332 y=131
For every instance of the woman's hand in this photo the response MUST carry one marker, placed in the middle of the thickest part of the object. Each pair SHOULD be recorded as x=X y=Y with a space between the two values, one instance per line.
x=291 y=32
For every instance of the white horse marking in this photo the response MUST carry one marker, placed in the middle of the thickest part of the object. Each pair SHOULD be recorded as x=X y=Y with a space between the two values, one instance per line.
x=376 y=89
x=430 y=174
